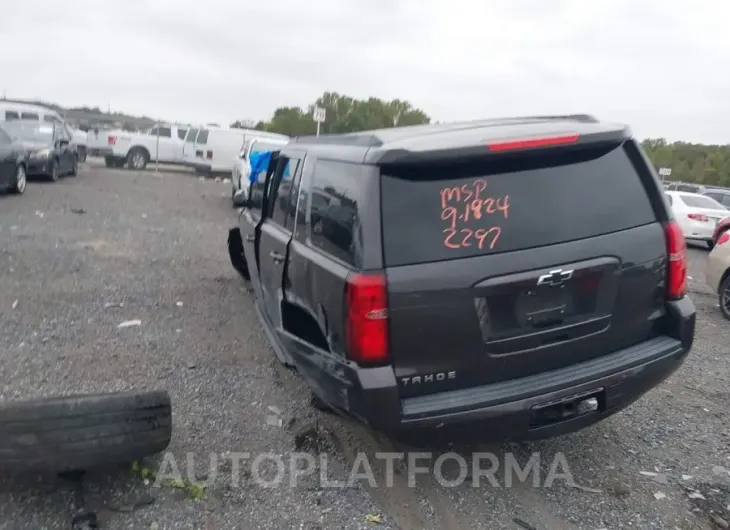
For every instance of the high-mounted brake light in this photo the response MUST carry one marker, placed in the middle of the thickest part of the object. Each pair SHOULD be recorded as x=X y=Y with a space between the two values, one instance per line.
x=367 y=319
x=724 y=238
x=698 y=217
x=530 y=143
x=677 y=265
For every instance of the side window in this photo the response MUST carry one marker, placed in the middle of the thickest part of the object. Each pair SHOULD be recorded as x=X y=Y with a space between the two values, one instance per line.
x=202 y=138
x=11 y=115
x=4 y=138
x=165 y=132
x=716 y=196
x=726 y=200
x=49 y=119
x=30 y=116
x=287 y=190
x=669 y=198
x=335 y=194
x=181 y=133
x=190 y=137
x=153 y=131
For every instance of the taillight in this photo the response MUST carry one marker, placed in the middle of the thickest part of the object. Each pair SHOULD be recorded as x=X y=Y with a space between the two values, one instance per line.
x=209 y=154
x=367 y=318
x=529 y=143
x=697 y=217
x=111 y=140
x=724 y=238
x=677 y=266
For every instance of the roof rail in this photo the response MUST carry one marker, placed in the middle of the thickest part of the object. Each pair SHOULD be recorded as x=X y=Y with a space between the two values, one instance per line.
x=586 y=118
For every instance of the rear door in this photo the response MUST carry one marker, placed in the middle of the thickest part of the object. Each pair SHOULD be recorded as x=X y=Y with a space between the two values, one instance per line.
x=276 y=233
x=509 y=266
x=188 y=148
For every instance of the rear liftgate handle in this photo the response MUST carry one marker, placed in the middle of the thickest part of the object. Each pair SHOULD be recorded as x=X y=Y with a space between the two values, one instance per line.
x=278 y=258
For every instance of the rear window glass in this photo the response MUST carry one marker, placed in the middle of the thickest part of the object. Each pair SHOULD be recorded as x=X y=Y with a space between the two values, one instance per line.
x=265 y=146
x=459 y=210
x=701 y=202
x=30 y=116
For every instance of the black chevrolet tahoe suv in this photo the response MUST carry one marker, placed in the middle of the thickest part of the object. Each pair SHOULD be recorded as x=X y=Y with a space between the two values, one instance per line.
x=510 y=278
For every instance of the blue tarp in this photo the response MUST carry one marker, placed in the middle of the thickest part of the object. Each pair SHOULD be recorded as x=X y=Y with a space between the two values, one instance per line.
x=259 y=161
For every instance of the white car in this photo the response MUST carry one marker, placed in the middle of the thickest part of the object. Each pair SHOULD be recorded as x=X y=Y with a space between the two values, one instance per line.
x=242 y=168
x=696 y=214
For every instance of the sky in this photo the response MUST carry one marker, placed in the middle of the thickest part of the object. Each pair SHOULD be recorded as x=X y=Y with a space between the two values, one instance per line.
x=660 y=66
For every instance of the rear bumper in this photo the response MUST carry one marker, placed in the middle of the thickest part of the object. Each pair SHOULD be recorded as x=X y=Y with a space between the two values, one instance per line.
x=99 y=151
x=201 y=167
x=506 y=410
x=699 y=230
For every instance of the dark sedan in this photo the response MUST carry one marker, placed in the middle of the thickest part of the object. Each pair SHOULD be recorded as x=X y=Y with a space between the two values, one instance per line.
x=48 y=148
x=12 y=164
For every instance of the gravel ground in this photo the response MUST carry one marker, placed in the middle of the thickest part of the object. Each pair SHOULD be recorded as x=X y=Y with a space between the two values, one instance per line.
x=85 y=254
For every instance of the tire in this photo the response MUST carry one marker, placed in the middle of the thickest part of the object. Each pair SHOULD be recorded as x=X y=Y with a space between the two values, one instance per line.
x=235 y=252
x=82 y=154
x=724 y=292
x=74 y=168
x=74 y=433
x=54 y=171
x=710 y=244
x=21 y=181
x=137 y=158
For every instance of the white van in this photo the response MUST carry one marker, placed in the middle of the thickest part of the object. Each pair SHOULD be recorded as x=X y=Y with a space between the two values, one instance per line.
x=216 y=149
x=26 y=111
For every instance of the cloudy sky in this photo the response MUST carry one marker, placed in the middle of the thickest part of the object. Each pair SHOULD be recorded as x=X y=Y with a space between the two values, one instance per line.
x=661 y=66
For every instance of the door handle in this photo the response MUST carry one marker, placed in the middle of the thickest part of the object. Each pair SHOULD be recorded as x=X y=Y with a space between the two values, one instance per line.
x=278 y=258
x=250 y=238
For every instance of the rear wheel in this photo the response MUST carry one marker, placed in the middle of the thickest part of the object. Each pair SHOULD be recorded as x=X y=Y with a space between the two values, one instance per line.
x=724 y=295
x=74 y=167
x=138 y=158
x=20 y=181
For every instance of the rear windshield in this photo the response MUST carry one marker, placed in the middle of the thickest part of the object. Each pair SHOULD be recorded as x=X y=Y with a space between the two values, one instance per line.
x=701 y=202
x=263 y=145
x=459 y=210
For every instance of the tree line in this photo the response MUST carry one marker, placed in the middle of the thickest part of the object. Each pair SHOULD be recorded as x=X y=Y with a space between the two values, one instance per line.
x=699 y=163
x=343 y=114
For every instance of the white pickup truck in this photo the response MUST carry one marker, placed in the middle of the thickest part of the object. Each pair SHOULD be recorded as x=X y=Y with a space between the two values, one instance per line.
x=136 y=150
